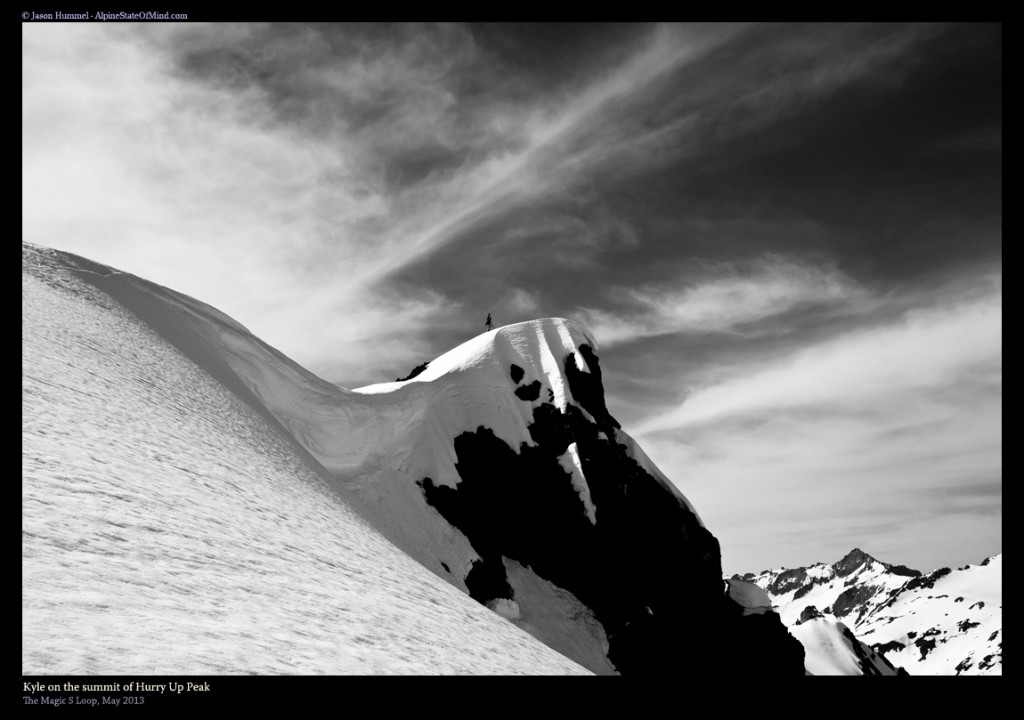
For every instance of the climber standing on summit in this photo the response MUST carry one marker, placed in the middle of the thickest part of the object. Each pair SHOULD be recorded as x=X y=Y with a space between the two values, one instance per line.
x=488 y=322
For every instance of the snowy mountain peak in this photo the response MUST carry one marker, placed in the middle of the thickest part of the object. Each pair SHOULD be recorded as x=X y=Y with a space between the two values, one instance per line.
x=941 y=622
x=546 y=487
x=530 y=344
x=857 y=559
x=549 y=359
x=498 y=467
x=851 y=562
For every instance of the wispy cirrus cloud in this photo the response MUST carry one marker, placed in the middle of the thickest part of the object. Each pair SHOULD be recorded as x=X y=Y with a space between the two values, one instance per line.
x=303 y=165
x=196 y=187
x=928 y=347
x=307 y=164
x=723 y=297
x=886 y=420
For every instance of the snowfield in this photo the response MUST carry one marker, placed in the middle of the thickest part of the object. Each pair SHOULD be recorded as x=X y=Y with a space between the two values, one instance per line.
x=168 y=529
x=833 y=650
x=950 y=625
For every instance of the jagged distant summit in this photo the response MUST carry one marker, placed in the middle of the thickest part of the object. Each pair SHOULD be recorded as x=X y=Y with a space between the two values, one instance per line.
x=498 y=467
x=801 y=580
x=857 y=559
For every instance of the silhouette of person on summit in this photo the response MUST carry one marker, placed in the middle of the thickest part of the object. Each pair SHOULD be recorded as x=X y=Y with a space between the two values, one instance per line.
x=488 y=322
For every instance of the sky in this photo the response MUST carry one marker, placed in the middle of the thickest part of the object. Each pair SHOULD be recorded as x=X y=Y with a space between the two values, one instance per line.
x=786 y=238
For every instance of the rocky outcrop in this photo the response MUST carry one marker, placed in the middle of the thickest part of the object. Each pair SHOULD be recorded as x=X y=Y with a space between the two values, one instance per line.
x=809 y=613
x=645 y=565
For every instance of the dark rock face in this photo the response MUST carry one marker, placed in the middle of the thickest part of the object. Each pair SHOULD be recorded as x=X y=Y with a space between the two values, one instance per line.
x=587 y=388
x=486 y=580
x=857 y=558
x=903 y=570
x=808 y=587
x=891 y=646
x=516 y=373
x=987 y=661
x=529 y=392
x=415 y=371
x=853 y=561
x=809 y=613
x=853 y=599
x=925 y=645
x=763 y=640
x=787 y=580
x=647 y=569
x=922 y=581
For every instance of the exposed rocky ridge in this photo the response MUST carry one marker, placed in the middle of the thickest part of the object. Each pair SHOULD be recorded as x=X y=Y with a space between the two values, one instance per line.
x=857 y=559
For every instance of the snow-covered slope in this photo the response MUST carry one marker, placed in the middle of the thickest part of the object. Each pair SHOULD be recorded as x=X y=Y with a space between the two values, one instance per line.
x=940 y=623
x=167 y=529
x=833 y=650
x=499 y=468
x=943 y=623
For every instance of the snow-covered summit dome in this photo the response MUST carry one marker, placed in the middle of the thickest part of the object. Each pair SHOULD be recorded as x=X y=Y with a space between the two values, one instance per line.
x=499 y=468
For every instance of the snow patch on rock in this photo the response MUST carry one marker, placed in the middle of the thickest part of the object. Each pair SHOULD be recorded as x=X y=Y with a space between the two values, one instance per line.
x=571 y=462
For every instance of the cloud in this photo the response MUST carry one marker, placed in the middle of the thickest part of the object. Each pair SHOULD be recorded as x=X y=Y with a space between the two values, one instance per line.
x=900 y=421
x=523 y=302
x=200 y=186
x=931 y=347
x=282 y=172
x=552 y=145
x=277 y=173
x=722 y=298
x=833 y=476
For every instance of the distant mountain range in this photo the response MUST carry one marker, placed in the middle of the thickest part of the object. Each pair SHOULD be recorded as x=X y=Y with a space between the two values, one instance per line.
x=945 y=622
